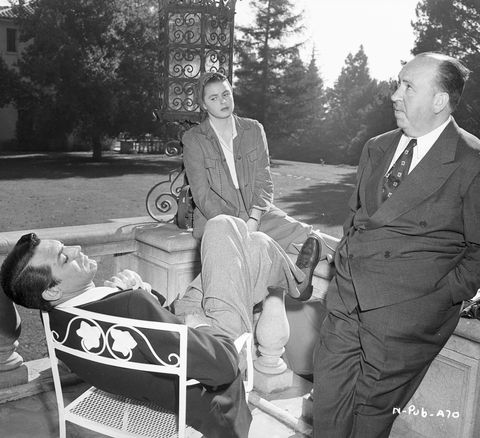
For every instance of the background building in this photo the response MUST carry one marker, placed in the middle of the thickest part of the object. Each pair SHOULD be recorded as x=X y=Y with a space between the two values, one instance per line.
x=10 y=50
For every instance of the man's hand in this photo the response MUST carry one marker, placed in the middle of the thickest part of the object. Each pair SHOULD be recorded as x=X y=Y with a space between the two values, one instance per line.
x=128 y=279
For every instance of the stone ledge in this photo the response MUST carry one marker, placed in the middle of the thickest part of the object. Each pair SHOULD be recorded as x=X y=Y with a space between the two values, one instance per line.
x=468 y=329
x=39 y=380
x=169 y=238
x=115 y=231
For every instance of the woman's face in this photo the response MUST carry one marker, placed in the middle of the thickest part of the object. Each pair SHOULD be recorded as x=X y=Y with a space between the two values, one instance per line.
x=218 y=99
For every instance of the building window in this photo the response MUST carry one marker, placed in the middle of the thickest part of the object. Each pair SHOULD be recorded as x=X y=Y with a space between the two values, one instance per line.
x=11 y=40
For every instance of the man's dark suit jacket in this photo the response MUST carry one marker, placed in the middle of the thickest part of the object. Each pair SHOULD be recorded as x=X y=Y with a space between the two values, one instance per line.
x=217 y=408
x=427 y=236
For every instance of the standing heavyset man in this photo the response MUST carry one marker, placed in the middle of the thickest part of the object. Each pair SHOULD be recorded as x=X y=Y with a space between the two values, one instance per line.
x=409 y=256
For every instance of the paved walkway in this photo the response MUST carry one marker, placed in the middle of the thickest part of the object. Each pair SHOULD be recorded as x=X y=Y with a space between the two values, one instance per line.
x=36 y=416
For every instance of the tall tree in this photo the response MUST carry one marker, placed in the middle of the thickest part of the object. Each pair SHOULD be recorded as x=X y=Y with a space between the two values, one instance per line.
x=138 y=70
x=263 y=54
x=346 y=100
x=352 y=102
x=375 y=117
x=354 y=77
x=78 y=65
x=302 y=100
x=453 y=27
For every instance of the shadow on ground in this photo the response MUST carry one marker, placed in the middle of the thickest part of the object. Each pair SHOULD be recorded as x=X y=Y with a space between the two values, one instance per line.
x=322 y=203
x=67 y=165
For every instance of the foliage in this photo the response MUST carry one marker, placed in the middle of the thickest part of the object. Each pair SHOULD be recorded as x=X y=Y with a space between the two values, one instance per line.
x=8 y=84
x=302 y=98
x=358 y=108
x=302 y=102
x=274 y=85
x=302 y=119
x=375 y=118
x=453 y=27
x=82 y=66
x=138 y=71
x=262 y=58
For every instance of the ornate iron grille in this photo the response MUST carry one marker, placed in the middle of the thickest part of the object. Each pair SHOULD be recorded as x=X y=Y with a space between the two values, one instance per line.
x=195 y=36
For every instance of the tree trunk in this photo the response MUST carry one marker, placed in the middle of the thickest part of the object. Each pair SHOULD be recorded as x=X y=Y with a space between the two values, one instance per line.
x=97 y=148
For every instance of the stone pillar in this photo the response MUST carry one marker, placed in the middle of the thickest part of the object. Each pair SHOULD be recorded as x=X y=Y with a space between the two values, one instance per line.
x=272 y=333
x=167 y=258
x=12 y=369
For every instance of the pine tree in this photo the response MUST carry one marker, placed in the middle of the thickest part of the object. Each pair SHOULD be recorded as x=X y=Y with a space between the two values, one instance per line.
x=345 y=100
x=453 y=27
x=352 y=101
x=315 y=86
x=262 y=57
x=302 y=106
x=355 y=76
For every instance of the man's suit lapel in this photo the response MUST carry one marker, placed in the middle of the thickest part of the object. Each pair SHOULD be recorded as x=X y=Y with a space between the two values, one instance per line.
x=424 y=180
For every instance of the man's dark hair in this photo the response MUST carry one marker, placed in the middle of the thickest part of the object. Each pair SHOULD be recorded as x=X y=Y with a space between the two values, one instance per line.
x=204 y=80
x=451 y=76
x=22 y=283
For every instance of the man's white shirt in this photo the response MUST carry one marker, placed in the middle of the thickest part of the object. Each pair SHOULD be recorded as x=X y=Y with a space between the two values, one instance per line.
x=424 y=144
x=90 y=296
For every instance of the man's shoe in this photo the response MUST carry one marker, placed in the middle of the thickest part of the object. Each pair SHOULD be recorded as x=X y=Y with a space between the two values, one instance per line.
x=307 y=260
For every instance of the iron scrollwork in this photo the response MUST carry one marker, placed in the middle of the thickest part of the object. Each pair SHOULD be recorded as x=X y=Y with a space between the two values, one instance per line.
x=117 y=340
x=195 y=36
x=162 y=198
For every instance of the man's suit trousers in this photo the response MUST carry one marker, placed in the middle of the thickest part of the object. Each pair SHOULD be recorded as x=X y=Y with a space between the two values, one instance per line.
x=368 y=363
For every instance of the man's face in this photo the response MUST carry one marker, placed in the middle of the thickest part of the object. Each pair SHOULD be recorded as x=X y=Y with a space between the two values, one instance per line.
x=413 y=101
x=218 y=99
x=70 y=267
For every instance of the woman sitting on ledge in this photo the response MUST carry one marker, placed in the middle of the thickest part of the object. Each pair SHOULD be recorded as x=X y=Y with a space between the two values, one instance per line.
x=228 y=168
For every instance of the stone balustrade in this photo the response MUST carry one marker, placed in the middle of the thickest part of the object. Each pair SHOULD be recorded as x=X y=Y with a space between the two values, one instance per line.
x=445 y=405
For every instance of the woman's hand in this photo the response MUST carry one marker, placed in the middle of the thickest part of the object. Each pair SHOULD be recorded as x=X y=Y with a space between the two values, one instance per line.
x=252 y=224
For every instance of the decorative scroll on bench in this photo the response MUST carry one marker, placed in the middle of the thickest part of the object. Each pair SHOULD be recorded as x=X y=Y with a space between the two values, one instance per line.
x=171 y=200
